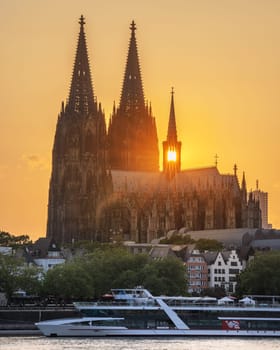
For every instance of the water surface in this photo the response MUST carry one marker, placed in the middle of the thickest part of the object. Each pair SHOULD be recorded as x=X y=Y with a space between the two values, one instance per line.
x=190 y=343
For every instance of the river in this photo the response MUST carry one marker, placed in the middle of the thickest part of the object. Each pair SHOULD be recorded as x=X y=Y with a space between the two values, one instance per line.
x=197 y=343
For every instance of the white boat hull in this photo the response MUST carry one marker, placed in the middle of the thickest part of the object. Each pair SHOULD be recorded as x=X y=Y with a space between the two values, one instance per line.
x=88 y=331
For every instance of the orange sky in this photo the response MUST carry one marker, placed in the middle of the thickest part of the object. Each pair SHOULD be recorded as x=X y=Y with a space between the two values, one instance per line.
x=222 y=57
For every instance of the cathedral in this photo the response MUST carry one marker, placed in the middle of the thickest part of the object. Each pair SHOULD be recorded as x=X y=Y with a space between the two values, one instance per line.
x=106 y=184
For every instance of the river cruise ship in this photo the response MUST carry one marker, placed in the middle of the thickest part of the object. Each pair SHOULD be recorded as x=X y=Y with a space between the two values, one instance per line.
x=136 y=312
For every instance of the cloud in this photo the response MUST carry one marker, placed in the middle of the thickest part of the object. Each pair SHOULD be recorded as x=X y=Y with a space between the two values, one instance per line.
x=34 y=161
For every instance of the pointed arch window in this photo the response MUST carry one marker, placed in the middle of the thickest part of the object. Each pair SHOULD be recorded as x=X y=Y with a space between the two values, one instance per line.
x=77 y=103
x=85 y=103
x=90 y=144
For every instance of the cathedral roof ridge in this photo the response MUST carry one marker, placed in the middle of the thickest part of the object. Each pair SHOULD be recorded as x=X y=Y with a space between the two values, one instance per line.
x=202 y=168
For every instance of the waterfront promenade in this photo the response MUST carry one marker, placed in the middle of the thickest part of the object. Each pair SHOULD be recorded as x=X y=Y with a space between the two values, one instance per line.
x=20 y=320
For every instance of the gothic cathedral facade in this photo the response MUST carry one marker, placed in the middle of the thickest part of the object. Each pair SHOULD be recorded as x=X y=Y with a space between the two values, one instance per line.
x=106 y=184
x=80 y=179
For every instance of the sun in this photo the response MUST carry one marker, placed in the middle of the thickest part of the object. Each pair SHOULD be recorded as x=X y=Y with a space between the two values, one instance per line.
x=171 y=155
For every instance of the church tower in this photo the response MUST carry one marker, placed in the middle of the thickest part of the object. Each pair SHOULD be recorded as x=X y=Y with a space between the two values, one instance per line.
x=132 y=133
x=171 y=147
x=79 y=182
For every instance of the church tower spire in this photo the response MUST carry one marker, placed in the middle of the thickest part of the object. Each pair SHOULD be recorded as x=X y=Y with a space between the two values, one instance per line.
x=172 y=130
x=244 y=188
x=171 y=147
x=132 y=134
x=81 y=98
x=76 y=187
x=132 y=96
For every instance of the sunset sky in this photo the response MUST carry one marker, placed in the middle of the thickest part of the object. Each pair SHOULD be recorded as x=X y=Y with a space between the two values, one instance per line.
x=221 y=56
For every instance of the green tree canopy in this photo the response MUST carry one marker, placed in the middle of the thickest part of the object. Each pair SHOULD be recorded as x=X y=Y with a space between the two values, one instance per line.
x=203 y=244
x=15 y=275
x=178 y=239
x=9 y=240
x=261 y=276
x=215 y=292
x=96 y=273
x=9 y=271
x=30 y=279
x=68 y=281
x=166 y=276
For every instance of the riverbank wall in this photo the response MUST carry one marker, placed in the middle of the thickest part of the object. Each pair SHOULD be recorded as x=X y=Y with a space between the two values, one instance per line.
x=21 y=320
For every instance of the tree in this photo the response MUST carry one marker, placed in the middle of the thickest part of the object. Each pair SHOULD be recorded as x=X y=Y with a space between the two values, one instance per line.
x=30 y=279
x=120 y=269
x=208 y=244
x=7 y=239
x=15 y=275
x=166 y=276
x=9 y=271
x=178 y=239
x=261 y=276
x=215 y=292
x=68 y=281
x=114 y=267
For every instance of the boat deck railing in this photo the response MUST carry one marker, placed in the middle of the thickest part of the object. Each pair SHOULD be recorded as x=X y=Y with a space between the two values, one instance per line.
x=229 y=305
x=174 y=303
x=68 y=307
x=116 y=303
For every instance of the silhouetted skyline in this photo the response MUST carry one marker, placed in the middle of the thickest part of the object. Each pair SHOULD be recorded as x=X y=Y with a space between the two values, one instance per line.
x=221 y=57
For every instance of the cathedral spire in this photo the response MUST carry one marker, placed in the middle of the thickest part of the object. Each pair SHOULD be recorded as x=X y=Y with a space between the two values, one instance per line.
x=172 y=130
x=132 y=96
x=81 y=98
x=244 y=181
x=132 y=136
x=244 y=188
x=171 y=147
